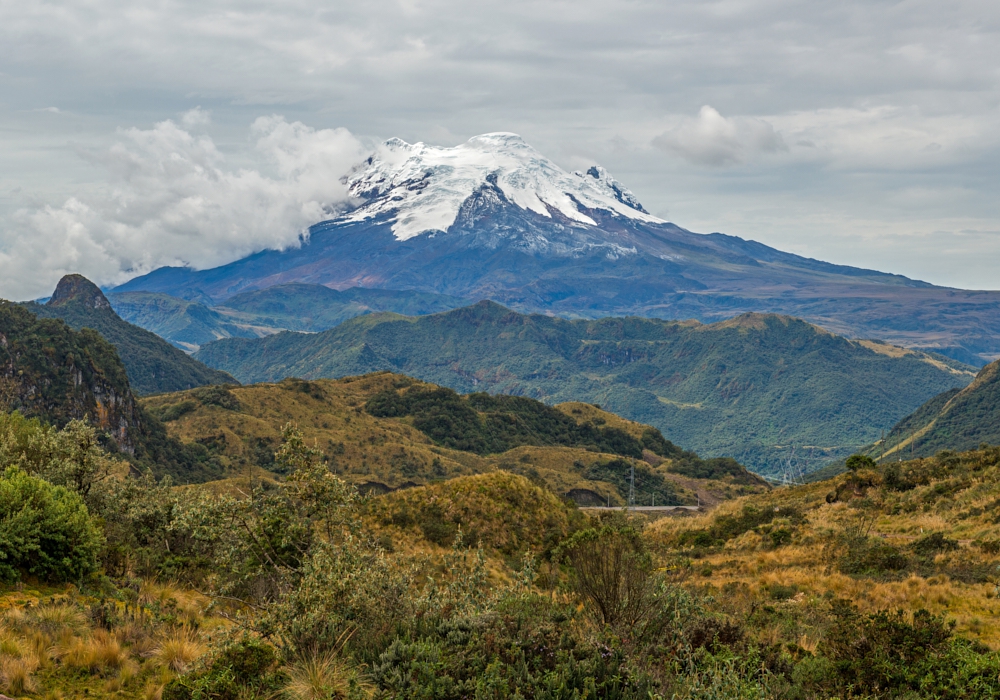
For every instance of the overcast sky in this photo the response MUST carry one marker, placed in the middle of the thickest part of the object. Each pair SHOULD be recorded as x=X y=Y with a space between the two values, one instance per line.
x=141 y=133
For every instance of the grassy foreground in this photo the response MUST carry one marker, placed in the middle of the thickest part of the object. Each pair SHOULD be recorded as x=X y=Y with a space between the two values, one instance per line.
x=881 y=583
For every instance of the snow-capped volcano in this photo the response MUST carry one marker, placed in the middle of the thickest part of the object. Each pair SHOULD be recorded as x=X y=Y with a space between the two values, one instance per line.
x=422 y=188
x=494 y=219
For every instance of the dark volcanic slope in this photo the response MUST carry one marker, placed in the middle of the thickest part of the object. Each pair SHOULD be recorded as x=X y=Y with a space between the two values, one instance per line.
x=749 y=388
x=534 y=263
x=153 y=364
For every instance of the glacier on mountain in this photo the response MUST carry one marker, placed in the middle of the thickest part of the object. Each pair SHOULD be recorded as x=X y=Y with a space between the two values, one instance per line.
x=422 y=188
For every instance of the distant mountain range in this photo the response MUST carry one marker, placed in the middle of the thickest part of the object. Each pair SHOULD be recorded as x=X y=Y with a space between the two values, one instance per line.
x=771 y=391
x=494 y=219
x=297 y=307
x=153 y=365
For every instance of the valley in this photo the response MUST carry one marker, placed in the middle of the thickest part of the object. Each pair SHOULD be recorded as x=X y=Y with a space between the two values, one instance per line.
x=348 y=471
x=752 y=388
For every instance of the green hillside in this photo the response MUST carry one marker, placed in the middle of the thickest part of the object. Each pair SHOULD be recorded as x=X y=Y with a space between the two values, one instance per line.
x=153 y=365
x=752 y=388
x=384 y=431
x=186 y=324
x=297 y=307
x=956 y=420
x=54 y=374
x=50 y=372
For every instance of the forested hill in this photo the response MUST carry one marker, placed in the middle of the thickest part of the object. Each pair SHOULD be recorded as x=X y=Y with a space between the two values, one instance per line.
x=153 y=365
x=956 y=420
x=384 y=431
x=753 y=388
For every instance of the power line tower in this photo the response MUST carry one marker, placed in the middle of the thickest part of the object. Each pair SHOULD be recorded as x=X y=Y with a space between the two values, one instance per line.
x=631 y=488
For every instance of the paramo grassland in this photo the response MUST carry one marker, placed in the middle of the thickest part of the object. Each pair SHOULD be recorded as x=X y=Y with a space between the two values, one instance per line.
x=288 y=583
x=385 y=431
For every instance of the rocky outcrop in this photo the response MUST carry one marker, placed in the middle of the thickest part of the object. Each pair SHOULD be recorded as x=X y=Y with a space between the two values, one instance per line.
x=49 y=371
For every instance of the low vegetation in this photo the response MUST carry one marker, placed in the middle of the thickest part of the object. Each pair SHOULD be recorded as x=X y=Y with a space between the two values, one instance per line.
x=385 y=431
x=291 y=582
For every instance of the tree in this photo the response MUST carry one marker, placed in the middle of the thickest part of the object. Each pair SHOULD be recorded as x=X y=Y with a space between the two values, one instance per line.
x=859 y=462
x=45 y=530
x=614 y=571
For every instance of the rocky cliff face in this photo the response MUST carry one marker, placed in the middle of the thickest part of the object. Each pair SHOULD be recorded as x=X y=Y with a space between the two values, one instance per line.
x=52 y=372
x=78 y=289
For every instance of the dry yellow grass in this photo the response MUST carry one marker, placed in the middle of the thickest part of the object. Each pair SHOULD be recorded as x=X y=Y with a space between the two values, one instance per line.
x=959 y=500
x=331 y=417
x=16 y=674
x=179 y=651
x=322 y=677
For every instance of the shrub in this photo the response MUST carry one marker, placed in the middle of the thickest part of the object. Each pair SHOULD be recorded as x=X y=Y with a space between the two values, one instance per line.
x=730 y=526
x=857 y=462
x=891 y=654
x=241 y=669
x=173 y=411
x=872 y=557
x=613 y=571
x=45 y=530
x=932 y=544
x=218 y=395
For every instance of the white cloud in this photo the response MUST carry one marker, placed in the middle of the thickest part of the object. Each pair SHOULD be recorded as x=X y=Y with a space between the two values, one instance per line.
x=172 y=199
x=711 y=139
x=875 y=100
x=196 y=117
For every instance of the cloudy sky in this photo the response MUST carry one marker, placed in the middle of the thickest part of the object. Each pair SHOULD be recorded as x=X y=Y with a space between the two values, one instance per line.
x=142 y=133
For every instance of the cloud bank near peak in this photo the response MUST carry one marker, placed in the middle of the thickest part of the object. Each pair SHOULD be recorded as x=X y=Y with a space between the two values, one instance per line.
x=172 y=198
x=713 y=140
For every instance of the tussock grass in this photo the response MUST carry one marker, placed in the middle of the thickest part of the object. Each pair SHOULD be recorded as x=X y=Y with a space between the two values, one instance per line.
x=954 y=496
x=178 y=652
x=55 y=642
x=16 y=674
x=323 y=676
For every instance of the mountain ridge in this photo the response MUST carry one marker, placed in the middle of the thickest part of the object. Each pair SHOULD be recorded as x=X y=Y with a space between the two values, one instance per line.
x=740 y=388
x=188 y=324
x=152 y=364
x=501 y=222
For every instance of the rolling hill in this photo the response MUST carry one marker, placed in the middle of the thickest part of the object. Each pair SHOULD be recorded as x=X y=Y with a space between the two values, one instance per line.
x=753 y=388
x=153 y=365
x=495 y=219
x=385 y=431
x=910 y=535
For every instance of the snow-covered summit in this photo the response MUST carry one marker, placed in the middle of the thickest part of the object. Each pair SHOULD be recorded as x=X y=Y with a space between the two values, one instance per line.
x=423 y=187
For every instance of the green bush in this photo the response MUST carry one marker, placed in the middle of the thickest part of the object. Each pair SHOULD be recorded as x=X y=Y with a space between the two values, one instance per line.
x=217 y=395
x=872 y=557
x=727 y=527
x=45 y=530
x=526 y=648
x=888 y=654
x=245 y=668
x=487 y=424
x=857 y=462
